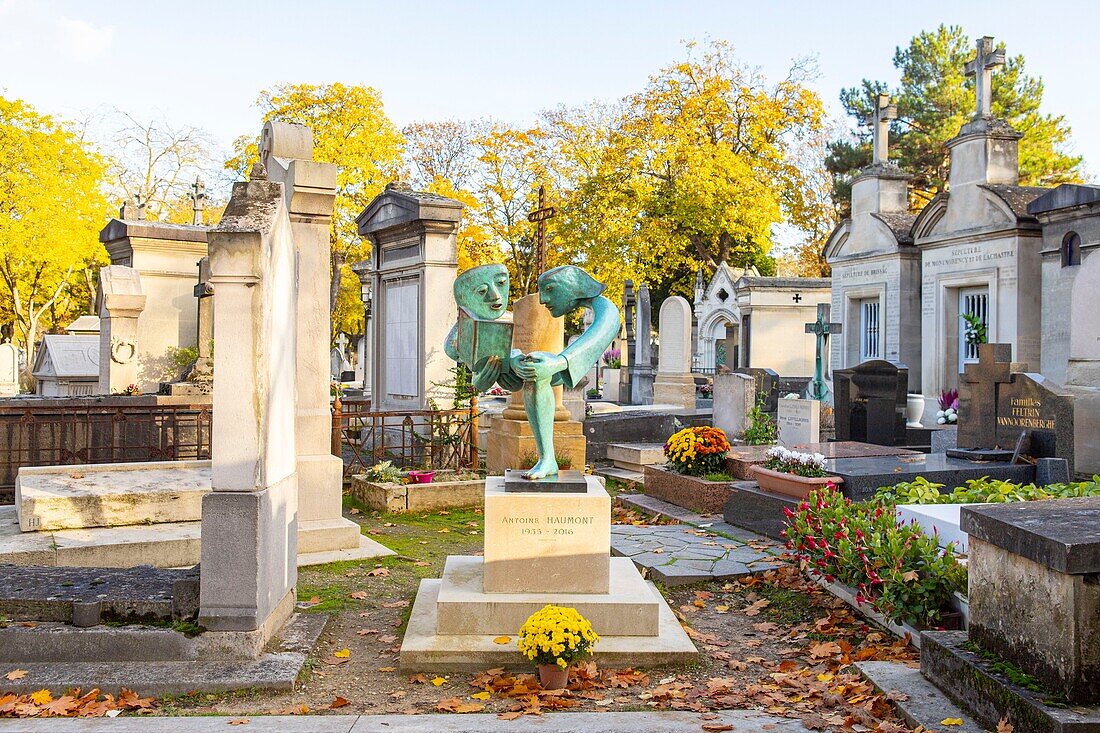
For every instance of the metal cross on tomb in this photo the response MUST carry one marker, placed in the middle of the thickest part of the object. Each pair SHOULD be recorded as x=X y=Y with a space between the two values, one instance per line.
x=879 y=119
x=539 y=217
x=981 y=68
x=822 y=329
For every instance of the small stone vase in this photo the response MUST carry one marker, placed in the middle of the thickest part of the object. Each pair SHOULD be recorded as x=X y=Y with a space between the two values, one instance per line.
x=553 y=677
x=914 y=410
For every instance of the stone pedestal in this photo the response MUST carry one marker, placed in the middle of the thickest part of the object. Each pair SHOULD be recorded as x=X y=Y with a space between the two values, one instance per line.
x=250 y=519
x=119 y=302
x=674 y=389
x=546 y=542
x=540 y=548
x=511 y=440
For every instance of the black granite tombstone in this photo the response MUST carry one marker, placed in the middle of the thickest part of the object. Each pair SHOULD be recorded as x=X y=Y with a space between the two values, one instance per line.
x=870 y=402
x=767 y=386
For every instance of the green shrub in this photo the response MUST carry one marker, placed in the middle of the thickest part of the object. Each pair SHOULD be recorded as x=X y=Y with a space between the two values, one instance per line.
x=984 y=490
x=895 y=567
x=761 y=430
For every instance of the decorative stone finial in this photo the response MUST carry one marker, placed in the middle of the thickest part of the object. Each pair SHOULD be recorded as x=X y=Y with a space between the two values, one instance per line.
x=259 y=173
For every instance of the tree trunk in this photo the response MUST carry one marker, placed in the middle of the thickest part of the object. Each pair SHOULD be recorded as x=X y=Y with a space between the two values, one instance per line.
x=338 y=259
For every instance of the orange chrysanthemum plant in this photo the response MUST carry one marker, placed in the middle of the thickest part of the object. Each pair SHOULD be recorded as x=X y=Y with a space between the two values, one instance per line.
x=697 y=451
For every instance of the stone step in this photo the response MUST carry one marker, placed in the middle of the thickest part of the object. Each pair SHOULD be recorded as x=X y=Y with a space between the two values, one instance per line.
x=110 y=495
x=276 y=671
x=170 y=545
x=424 y=649
x=53 y=643
x=629 y=609
x=636 y=456
x=621 y=474
x=919 y=701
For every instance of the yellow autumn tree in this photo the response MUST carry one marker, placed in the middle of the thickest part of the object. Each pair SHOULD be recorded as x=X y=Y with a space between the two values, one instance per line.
x=695 y=169
x=52 y=207
x=351 y=130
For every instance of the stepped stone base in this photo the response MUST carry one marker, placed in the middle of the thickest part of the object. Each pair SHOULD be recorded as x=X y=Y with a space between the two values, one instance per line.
x=154 y=661
x=169 y=545
x=629 y=609
x=110 y=495
x=636 y=456
x=424 y=649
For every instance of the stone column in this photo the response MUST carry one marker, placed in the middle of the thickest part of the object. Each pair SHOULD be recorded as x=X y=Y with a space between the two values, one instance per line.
x=119 y=302
x=310 y=191
x=250 y=519
x=641 y=361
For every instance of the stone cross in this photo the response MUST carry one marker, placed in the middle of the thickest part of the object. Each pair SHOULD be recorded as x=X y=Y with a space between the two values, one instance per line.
x=981 y=68
x=879 y=119
x=539 y=217
x=822 y=329
x=198 y=200
x=978 y=396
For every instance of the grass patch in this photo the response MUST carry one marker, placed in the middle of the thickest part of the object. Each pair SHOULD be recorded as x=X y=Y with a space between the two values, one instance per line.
x=790 y=607
x=187 y=628
x=718 y=477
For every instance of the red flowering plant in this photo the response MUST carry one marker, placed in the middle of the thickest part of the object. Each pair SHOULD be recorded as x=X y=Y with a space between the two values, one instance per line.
x=893 y=566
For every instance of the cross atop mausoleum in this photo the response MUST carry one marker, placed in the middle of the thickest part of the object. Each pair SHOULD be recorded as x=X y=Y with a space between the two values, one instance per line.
x=981 y=68
x=879 y=119
x=198 y=200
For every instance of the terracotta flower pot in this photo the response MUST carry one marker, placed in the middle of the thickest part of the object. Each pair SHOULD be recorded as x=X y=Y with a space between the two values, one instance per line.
x=553 y=677
x=790 y=484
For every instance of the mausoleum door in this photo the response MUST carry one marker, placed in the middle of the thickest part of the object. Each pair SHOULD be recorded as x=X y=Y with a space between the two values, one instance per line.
x=972 y=302
x=870 y=329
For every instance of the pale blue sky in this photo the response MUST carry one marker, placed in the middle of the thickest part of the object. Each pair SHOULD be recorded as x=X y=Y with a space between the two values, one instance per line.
x=202 y=63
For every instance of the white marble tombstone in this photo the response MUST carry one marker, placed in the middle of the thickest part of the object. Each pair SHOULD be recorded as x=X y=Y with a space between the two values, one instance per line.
x=9 y=370
x=674 y=384
x=799 y=421
x=119 y=302
x=250 y=519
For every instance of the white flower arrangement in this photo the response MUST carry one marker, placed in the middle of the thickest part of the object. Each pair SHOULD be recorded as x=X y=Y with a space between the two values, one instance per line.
x=785 y=460
x=947 y=417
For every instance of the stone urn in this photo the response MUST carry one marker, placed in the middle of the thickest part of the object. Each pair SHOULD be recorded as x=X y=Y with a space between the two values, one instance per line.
x=914 y=409
x=553 y=676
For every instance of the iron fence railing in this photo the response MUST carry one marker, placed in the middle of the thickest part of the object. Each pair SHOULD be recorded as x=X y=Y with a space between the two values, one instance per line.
x=66 y=432
x=432 y=439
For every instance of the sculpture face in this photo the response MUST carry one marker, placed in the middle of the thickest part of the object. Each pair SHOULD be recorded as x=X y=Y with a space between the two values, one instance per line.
x=563 y=288
x=483 y=291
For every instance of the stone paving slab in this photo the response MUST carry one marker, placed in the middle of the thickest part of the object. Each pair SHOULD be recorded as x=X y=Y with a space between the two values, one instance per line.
x=681 y=554
x=711 y=522
x=743 y=721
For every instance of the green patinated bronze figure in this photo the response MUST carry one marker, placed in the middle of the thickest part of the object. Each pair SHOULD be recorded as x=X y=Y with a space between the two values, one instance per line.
x=482 y=338
x=482 y=296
